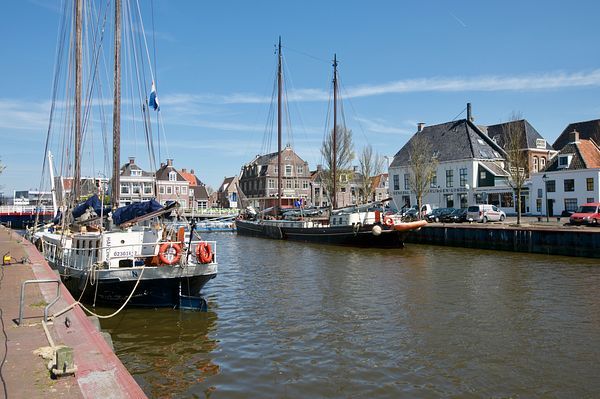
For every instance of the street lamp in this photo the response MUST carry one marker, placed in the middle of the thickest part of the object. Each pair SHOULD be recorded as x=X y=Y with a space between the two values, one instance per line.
x=439 y=197
x=544 y=178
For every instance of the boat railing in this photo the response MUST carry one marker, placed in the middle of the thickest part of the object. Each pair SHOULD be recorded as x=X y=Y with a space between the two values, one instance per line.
x=84 y=258
x=25 y=209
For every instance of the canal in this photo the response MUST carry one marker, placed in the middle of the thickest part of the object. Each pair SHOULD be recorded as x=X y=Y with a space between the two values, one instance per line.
x=296 y=320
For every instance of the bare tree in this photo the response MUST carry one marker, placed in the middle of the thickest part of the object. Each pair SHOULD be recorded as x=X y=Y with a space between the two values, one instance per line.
x=344 y=157
x=513 y=142
x=422 y=166
x=370 y=165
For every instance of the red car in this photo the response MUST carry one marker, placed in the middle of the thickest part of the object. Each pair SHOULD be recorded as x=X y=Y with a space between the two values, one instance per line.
x=587 y=214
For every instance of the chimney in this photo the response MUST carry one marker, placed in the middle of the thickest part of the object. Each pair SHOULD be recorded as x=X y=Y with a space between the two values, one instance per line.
x=169 y=162
x=420 y=126
x=192 y=171
x=162 y=165
x=574 y=136
x=183 y=170
x=319 y=168
x=469 y=115
x=131 y=160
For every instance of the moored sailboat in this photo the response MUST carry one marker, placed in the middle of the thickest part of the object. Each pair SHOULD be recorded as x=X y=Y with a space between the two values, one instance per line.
x=367 y=225
x=134 y=255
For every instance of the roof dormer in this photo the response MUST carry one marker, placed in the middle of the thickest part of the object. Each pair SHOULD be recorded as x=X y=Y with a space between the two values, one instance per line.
x=564 y=161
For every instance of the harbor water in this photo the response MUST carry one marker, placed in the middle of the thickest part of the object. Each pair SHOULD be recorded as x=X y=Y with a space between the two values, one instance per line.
x=292 y=320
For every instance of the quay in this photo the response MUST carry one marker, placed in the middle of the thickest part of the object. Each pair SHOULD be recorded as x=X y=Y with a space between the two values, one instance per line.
x=98 y=373
x=551 y=238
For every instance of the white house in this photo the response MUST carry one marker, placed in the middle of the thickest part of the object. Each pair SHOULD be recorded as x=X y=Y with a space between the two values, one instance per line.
x=470 y=168
x=570 y=179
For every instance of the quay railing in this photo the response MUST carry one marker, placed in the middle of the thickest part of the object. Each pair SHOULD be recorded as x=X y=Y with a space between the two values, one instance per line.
x=25 y=209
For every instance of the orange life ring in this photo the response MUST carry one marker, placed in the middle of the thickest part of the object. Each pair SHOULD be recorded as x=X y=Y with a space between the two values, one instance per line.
x=204 y=252
x=169 y=253
x=388 y=221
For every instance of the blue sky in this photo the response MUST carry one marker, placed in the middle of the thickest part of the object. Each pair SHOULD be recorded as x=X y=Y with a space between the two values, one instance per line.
x=400 y=63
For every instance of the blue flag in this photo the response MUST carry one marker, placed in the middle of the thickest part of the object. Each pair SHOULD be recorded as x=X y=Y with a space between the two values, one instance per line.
x=153 y=101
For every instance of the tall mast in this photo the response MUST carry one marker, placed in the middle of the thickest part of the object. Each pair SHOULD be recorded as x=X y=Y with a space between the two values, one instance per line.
x=116 y=186
x=78 y=79
x=279 y=91
x=334 y=168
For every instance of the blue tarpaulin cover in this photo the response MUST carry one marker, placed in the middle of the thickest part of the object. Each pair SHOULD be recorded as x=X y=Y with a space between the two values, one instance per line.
x=92 y=202
x=132 y=211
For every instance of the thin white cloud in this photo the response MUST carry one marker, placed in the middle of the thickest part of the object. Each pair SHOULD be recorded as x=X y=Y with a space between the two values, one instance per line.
x=527 y=82
x=382 y=126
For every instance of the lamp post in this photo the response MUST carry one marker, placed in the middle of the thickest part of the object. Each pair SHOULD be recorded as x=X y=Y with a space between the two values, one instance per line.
x=545 y=178
x=439 y=197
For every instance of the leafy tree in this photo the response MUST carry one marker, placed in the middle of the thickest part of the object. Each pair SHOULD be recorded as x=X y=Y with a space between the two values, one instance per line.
x=344 y=157
x=422 y=167
x=370 y=165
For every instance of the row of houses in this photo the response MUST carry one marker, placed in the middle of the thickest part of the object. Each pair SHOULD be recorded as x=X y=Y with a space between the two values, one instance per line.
x=473 y=168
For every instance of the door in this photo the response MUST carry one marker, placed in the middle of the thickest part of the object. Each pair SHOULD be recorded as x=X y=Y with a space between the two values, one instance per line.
x=550 y=207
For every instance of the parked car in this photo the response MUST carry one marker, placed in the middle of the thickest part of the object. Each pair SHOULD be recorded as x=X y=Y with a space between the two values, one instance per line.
x=586 y=214
x=410 y=215
x=457 y=216
x=485 y=213
x=437 y=214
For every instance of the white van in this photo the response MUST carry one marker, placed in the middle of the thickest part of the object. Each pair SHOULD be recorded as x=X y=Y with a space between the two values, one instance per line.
x=485 y=213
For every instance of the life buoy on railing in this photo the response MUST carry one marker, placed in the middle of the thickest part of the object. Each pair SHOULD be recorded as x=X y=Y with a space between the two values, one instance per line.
x=169 y=253
x=204 y=252
x=388 y=221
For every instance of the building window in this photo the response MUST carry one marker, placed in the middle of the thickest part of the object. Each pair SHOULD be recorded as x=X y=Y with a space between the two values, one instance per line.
x=449 y=200
x=177 y=190
x=550 y=186
x=124 y=188
x=161 y=189
x=169 y=190
x=271 y=183
x=449 y=178
x=482 y=175
x=538 y=205
x=463 y=177
x=184 y=190
x=588 y=200
x=406 y=181
x=288 y=170
x=276 y=169
x=463 y=199
x=506 y=200
x=173 y=176
x=136 y=172
x=147 y=188
x=136 y=188
x=571 y=204
x=300 y=170
x=542 y=163
x=433 y=183
x=396 y=182
x=305 y=184
x=589 y=183
x=569 y=185
x=535 y=164
x=288 y=183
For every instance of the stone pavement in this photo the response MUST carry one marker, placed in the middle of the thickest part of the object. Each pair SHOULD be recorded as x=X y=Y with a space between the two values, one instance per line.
x=24 y=373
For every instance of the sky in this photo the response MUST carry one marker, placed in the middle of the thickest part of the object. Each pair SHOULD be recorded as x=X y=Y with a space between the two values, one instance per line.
x=400 y=63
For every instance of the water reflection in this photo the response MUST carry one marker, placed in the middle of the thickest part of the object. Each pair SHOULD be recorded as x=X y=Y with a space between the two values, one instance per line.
x=166 y=351
x=298 y=320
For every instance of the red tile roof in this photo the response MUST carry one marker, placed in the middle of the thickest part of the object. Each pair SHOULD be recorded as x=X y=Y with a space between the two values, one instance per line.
x=590 y=153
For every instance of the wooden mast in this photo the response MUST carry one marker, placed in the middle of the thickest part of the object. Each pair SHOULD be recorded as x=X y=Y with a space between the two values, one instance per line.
x=279 y=118
x=116 y=186
x=334 y=149
x=78 y=82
